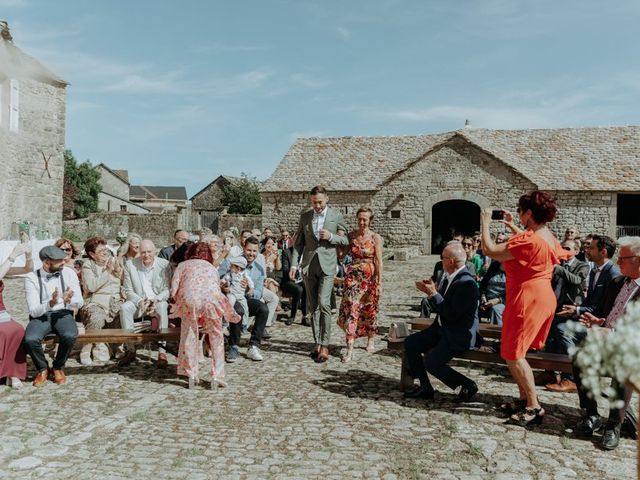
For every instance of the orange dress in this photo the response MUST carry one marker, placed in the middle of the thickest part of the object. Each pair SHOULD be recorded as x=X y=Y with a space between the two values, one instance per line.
x=530 y=300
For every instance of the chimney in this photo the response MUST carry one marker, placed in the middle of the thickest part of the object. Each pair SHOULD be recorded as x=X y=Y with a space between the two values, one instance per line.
x=5 y=33
x=467 y=123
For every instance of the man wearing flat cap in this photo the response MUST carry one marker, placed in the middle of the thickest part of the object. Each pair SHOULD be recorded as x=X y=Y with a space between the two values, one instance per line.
x=53 y=293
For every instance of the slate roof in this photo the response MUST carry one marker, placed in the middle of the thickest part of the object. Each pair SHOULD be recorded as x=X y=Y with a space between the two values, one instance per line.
x=121 y=174
x=14 y=63
x=142 y=192
x=594 y=158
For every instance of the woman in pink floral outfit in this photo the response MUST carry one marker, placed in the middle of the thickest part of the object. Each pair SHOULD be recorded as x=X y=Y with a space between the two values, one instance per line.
x=363 y=278
x=196 y=292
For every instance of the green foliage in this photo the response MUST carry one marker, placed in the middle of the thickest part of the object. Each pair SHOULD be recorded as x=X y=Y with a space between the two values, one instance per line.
x=70 y=234
x=81 y=187
x=243 y=196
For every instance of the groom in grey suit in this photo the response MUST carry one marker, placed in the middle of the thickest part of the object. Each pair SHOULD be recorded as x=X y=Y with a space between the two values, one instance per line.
x=320 y=231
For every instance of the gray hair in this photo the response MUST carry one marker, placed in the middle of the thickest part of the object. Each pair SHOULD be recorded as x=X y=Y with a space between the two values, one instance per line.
x=210 y=238
x=632 y=242
x=457 y=252
x=125 y=246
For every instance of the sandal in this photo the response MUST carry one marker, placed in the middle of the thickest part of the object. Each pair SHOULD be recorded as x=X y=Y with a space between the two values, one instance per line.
x=528 y=416
x=515 y=406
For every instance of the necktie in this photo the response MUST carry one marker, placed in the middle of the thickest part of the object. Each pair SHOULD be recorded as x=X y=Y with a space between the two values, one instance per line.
x=620 y=303
x=443 y=287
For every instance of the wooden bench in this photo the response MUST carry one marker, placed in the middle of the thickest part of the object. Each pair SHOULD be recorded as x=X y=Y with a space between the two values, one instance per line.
x=540 y=360
x=115 y=335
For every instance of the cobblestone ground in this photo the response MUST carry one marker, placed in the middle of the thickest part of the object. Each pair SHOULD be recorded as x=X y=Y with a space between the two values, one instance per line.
x=288 y=417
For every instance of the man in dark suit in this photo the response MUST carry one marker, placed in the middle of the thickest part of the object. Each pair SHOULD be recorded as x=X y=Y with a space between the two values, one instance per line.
x=569 y=281
x=621 y=291
x=320 y=231
x=453 y=332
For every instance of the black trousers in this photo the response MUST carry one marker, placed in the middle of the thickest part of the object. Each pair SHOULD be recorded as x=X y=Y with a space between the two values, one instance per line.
x=590 y=405
x=437 y=352
x=298 y=296
x=60 y=322
x=260 y=312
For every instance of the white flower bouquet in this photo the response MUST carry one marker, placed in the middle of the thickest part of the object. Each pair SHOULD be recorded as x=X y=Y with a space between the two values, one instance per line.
x=614 y=354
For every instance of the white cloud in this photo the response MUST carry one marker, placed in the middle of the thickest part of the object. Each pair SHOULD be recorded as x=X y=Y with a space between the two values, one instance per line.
x=308 y=81
x=13 y=3
x=345 y=32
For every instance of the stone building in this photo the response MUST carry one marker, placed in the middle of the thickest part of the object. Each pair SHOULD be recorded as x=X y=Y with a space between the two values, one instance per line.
x=423 y=187
x=160 y=199
x=114 y=196
x=207 y=205
x=32 y=134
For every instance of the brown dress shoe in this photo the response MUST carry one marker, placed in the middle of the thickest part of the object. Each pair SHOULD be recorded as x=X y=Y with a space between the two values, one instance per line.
x=563 y=386
x=127 y=358
x=315 y=352
x=59 y=377
x=323 y=355
x=162 y=360
x=545 y=378
x=41 y=378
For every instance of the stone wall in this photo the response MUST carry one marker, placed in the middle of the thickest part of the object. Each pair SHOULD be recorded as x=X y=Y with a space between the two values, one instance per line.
x=210 y=198
x=590 y=212
x=159 y=227
x=241 y=222
x=29 y=191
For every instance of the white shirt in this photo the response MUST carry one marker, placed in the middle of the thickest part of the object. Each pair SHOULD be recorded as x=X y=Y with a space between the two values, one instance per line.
x=450 y=278
x=146 y=278
x=598 y=272
x=32 y=291
x=318 y=221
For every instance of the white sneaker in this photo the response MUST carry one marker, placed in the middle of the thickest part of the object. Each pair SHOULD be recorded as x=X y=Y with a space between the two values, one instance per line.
x=253 y=353
x=101 y=352
x=85 y=358
x=14 y=382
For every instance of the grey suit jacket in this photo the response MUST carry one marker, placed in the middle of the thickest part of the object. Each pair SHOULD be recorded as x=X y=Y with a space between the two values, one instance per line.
x=309 y=246
x=160 y=281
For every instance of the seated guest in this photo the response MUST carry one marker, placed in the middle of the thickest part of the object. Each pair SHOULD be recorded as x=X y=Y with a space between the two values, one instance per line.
x=621 y=291
x=236 y=250
x=53 y=293
x=568 y=283
x=257 y=308
x=273 y=271
x=266 y=233
x=179 y=237
x=285 y=240
x=13 y=362
x=473 y=262
x=437 y=276
x=601 y=250
x=571 y=233
x=130 y=249
x=583 y=255
x=146 y=286
x=493 y=288
x=293 y=288
x=101 y=280
x=454 y=331
x=69 y=249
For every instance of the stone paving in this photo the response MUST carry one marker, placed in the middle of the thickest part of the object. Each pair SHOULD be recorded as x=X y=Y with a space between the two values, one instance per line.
x=289 y=417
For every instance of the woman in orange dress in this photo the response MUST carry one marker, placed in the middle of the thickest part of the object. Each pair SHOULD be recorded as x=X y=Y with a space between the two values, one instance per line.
x=528 y=258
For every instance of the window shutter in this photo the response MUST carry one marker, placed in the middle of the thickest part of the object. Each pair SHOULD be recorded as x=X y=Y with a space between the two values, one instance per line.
x=14 y=105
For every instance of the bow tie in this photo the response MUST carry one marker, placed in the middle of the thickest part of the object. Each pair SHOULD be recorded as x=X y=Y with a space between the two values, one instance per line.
x=52 y=275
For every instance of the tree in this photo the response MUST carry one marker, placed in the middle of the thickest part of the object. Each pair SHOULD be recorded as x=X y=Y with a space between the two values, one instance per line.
x=242 y=196
x=81 y=187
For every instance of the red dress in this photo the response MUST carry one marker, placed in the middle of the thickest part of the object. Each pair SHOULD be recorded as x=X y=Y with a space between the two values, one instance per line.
x=13 y=361
x=530 y=300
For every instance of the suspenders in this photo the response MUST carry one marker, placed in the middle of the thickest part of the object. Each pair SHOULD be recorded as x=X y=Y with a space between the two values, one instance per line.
x=41 y=286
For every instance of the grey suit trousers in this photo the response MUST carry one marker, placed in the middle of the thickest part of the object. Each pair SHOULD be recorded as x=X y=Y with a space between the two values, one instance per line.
x=319 y=286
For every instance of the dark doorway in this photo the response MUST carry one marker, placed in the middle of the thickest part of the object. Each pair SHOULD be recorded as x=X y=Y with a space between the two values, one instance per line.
x=628 y=216
x=452 y=216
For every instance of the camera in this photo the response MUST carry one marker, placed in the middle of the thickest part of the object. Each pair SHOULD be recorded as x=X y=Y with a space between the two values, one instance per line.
x=497 y=215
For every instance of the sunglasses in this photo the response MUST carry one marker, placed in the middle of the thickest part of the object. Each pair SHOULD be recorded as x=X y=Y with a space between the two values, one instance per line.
x=567 y=248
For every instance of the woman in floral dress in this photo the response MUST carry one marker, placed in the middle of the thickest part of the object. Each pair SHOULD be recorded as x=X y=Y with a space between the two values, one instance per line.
x=363 y=277
x=195 y=289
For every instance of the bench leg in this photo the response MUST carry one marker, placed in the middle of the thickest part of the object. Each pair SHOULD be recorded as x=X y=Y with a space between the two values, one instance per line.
x=406 y=380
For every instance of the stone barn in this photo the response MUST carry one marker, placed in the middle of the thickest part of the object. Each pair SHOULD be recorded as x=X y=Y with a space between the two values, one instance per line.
x=207 y=204
x=422 y=188
x=32 y=134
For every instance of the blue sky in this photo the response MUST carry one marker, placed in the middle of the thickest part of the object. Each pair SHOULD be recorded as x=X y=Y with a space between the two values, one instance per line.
x=181 y=94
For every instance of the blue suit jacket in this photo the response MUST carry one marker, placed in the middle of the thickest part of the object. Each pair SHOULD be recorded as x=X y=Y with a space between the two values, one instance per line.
x=458 y=312
x=595 y=293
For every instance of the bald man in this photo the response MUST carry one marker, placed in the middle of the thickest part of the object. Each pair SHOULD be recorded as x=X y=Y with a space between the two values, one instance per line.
x=146 y=285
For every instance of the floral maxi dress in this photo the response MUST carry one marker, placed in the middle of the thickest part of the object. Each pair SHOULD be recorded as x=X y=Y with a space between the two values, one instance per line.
x=359 y=307
x=198 y=300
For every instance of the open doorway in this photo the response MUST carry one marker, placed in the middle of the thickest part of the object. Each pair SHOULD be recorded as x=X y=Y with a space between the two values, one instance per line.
x=452 y=216
x=627 y=217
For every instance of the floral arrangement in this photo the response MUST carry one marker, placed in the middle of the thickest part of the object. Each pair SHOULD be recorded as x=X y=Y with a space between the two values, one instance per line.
x=121 y=237
x=614 y=354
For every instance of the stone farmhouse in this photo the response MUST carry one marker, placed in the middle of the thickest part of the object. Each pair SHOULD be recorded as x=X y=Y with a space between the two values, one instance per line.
x=159 y=198
x=32 y=134
x=423 y=187
x=114 y=196
x=207 y=206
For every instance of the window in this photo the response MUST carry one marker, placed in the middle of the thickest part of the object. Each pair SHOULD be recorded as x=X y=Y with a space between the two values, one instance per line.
x=14 y=105
x=395 y=213
x=123 y=208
